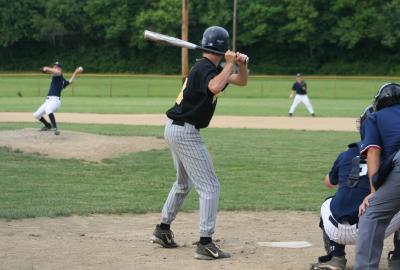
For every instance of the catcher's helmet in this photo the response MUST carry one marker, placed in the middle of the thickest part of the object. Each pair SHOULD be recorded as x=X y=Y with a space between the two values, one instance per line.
x=216 y=38
x=388 y=95
x=360 y=121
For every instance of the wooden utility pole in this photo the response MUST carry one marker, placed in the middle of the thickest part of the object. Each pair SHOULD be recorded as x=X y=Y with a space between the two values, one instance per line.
x=234 y=26
x=185 y=36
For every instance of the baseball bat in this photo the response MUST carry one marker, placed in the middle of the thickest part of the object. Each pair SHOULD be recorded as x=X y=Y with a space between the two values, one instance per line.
x=160 y=38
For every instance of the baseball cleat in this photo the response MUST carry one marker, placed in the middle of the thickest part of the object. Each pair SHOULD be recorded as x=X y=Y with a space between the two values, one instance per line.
x=210 y=252
x=56 y=131
x=336 y=263
x=45 y=129
x=325 y=258
x=164 y=238
x=393 y=264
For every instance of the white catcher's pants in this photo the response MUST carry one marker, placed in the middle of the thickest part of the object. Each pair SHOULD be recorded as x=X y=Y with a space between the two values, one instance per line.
x=346 y=234
x=51 y=104
x=304 y=99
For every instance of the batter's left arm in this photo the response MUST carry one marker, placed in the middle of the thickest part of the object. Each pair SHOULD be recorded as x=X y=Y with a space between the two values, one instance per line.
x=242 y=77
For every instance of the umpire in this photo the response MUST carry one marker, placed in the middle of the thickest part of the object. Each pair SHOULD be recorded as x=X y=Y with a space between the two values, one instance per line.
x=193 y=110
x=381 y=145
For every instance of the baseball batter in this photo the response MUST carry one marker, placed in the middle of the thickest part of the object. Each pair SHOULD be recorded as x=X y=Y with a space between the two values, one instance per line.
x=299 y=92
x=193 y=110
x=53 y=99
x=339 y=214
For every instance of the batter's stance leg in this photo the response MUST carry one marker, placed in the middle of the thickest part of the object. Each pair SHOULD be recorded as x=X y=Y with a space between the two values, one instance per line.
x=178 y=193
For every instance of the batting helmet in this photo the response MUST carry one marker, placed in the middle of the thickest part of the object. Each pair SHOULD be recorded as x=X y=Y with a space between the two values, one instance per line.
x=388 y=95
x=360 y=121
x=216 y=38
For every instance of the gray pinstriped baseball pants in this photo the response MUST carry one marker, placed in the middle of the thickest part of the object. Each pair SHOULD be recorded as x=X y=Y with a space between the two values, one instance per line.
x=193 y=168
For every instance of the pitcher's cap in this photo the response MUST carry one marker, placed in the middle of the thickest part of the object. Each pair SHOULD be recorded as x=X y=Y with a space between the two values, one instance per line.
x=58 y=64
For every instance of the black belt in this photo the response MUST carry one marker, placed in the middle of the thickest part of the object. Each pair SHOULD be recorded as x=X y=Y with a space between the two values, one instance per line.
x=335 y=223
x=182 y=123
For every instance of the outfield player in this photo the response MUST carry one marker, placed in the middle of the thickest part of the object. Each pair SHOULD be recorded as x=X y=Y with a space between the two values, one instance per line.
x=299 y=92
x=193 y=111
x=381 y=146
x=53 y=99
x=339 y=214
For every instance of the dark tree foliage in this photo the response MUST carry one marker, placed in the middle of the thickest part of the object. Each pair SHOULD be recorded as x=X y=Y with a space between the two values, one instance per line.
x=280 y=36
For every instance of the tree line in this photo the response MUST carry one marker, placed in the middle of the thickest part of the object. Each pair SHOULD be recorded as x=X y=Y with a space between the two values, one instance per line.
x=280 y=36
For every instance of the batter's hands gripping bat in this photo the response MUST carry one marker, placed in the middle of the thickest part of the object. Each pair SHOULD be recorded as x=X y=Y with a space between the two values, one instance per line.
x=160 y=38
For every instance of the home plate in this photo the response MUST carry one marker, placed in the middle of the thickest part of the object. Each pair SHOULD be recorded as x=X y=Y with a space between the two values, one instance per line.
x=293 y=244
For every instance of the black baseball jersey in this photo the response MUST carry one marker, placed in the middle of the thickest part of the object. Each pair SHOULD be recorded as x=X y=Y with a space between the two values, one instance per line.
x=300 y=88
x=58 y=83
x=196 y=103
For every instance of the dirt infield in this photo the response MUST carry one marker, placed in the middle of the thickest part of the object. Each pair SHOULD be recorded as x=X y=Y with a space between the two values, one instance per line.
x=79 y=145
x=260 y=122
x=123 y=242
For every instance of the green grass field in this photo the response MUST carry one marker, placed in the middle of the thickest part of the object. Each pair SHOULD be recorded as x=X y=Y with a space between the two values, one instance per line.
x=258 y=170
x=331 y=96
x=226 y=106
x=169 y=86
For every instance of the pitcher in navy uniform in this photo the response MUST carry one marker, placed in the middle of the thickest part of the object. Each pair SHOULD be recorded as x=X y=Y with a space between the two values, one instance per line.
x=381 y=146
x=339 y=214
x=53 y=99
x=193 y=111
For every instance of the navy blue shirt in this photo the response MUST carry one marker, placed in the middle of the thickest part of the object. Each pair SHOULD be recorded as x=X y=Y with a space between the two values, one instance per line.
x=345 y=203
x=196 y=103
x=58 y=83
x=300 y=88
x=382 y=130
